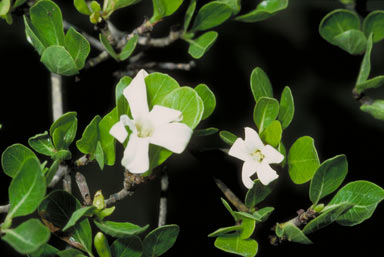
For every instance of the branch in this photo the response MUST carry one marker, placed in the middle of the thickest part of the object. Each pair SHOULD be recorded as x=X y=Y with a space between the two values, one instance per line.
x=160 y=42
x=61 y=172
x=83 y=188
x=163 y=199
x=57 y=96
x=231 y=196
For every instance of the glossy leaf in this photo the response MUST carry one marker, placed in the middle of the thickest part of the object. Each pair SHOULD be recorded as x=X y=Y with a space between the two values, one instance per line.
x=159 y=85
x=42 y=143
x=121 y=101
x=26 y=190
x=376 y=109
x=228 y=137
x=211 y=15
x=265 y=112
x=226 y=230
x=294 y=234
x=82 y=7
x=88 y=142
x=198 y=47
x=186 y=100
x=58 y=60
x=375 y=82
x=160 y=240
x=127 y=247
x=328 y=177
x=99 y=155
x=14 y=157
x=353 y=41
x=120 y=229
x=272 y=134
x=247 y=227
x=51 y=171
x=62 y=155
x=164 y=8
x=363 y=195
x=63 y=130
x=33 y=37
x=263 y=214
x=208 y=98
x=303 y=160
x=326 y=217
x=257 y=194
x=27 y=237
x=78 y=214
x=260 y=84
x=374 y=23
x=128 y=49
x=77 y=46
x=188 y=14
x=47 y=19
x=101 y=245
x=264 y=10
x=233 y=244
x=287 y=108
x=235 y=5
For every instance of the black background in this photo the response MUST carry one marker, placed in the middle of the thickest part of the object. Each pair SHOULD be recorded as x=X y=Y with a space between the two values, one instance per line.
x=289 y=49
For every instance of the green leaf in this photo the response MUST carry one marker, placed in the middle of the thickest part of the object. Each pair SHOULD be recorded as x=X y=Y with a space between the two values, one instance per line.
x=78 y=214
x=63 y=130
x=302 y=160
x=99 y=155
x=328 y=177
x=265 y=112
x=205 y=132
x=376 y=109
x=62 y=155
x=374 y=23
x=188 y=14
x=222 y=231
x=283 y=151
x=327 y=216
x=160 y=240
x=27 y=189
x=186 y=100
x=42 y=143
x=70 y=253
x=121 y=101
x=51 y=171
x=228 y=137
x=120 y=229
x=108 y=47
x=233 y=244
x=18 y=3
x=47 y=19
x=5 y=6
x=45 y=250
x=157 y=155
x=287 y=108
x=107 y=140
x=57 y=209
x=88 y=142
x=101 y=245
x=82 y=7
x=124 y=3
x=264 y=10
x=375 y=82
x=235 y=5
x=211 y=15
x=363 y=195
x=77 y=46
x=272 y=134
x=263 y=214
x=198 y=47
x=32 y=36
x=208 y=98
x=59 y=61
x=257 y=194
x=164 y=8
x=229 y=209
x=294 y=234
x=127 y=247
x=27 y=237
x=159 y=85
x=128 y=48
x=353 y=41
x=260 y=84
x=14 y=157
x=247 y=227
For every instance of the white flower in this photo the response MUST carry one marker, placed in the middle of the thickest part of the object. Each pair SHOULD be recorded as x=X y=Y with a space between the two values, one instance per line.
x=256 y=157
x=160 y=126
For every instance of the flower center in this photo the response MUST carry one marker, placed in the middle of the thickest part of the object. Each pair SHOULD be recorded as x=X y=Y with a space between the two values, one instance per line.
x=258 y=155
x=144 y=128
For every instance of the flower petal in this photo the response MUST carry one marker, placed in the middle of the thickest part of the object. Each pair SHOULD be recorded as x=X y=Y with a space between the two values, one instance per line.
x=249 y=168
x=239 y=150
x=271 y=155
x=136 y=154
x=119 y=131
x=265 y=173
x=136 y=94
x=252 y=140
x=161 y=115
x=172 y=136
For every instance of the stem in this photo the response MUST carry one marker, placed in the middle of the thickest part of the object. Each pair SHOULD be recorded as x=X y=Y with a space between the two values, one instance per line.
x=57 y=96
x=163 y=200
x=61 y=172
x=4 y=208
x=83 y=188
x=231 y=196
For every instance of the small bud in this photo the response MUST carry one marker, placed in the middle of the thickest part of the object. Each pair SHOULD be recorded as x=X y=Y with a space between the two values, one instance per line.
x=319 y=207
x=98 y=200
x=95 y=18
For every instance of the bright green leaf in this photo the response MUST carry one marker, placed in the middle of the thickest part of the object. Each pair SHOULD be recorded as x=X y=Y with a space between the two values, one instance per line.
x=5 y=6
x=120 y=229
x=33 y=37
x=82 y=7
x=257 y=194
x=374 y=23
x=62 y=155
x=77 y=46
x=45 y=250
x=235 y=5
x=99 y=155
x=121 y=101
x=128 y=48
x=328 y=177
x=375 y=82
x=265 y=112
x=27 y=237
x=58 y=60
x=188 y=14
x=211 y=15
x=14 y=157
x=303 y=160
x=108 y=47
x=164 y=8
x=287 y=108
x=127 y=247
x=63 y=130
x=228 y=137
x=160 y=240
x=159 y=85
x=376 y=109
x=101 y=245
x=78 y=214
x=198 y=47
x=263 y=214
x=294 y=234
x=264 y=10
x=260 y=84
x=229 y=209
x=51 y=171
x=247 y=227
x=233 y=244
x=353 y=41
x=42 y=143
x=222 y=231
x=88 y=142
x=208 y=98
x=107 y=140
x=272 y=134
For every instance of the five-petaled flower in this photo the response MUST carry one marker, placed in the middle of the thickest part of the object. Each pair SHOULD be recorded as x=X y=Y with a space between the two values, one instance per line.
x=256 y=157
x=160 y=126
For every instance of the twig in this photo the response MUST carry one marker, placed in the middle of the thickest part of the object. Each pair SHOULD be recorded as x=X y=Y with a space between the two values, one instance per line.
x=160 y=42
x=60 y=173
x=163 y=199
x=83 y=160
x=4 y=208
x=83 y=188
x=103 y=56
x=231 y=196
x=57 y=96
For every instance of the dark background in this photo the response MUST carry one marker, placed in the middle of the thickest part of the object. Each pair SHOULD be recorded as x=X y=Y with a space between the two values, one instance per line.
x=289 y=49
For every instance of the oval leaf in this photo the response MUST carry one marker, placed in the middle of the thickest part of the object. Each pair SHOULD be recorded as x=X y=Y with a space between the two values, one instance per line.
x=164 y=8
x=14 y=157
x=264 y=10
x=257 y=194
x=120 y=229
x=233 y=244
x=160 y=240
x=353 y=41
x=294 y=234
x=107 y=141
x=59 y=61
x=260 y=84
x=208 y=98
x=376 y=109
x=228 y=137
x=159 y=85
x=198 y=47
x=77 y=46
x=88 y=142
x=77 y=215
x=272 y=134
x=287 y=108
x=42 y=143
x=374 y=23
x=127 y=247
x=211 y=15
x=265 y=112
x=63 y=130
